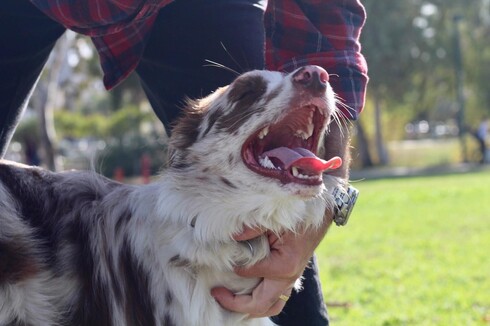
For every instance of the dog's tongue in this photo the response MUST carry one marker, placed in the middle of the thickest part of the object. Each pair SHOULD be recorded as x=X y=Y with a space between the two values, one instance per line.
x=303 y=159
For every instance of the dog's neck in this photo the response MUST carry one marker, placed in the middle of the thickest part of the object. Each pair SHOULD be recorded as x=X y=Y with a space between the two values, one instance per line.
x=168 y=238
x=207 y=220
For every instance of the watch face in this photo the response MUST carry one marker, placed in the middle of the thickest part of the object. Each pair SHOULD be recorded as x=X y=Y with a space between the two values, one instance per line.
x=344 y=202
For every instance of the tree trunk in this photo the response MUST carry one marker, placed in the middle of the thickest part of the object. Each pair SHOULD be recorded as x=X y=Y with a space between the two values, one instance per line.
x=380 y=147
x=49 y=92
x=363 y=144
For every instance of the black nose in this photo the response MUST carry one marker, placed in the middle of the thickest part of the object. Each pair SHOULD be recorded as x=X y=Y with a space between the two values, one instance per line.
x=312 y=78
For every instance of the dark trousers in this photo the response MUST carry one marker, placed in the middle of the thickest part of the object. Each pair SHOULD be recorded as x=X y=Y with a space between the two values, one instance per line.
x=483 y=149
x=188 y=36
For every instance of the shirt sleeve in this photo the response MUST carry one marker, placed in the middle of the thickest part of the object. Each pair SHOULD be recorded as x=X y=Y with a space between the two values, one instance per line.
x=324 y=33
x=119 y=29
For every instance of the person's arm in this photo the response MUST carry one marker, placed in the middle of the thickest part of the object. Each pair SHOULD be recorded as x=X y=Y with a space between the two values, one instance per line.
x=324 y=33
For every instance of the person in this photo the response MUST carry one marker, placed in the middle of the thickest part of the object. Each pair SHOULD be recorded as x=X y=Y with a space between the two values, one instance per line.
x=170 y=45
x=481 y=137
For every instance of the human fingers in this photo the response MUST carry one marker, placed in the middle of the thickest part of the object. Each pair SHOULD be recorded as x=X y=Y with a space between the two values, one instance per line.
x=287 y=259
x=267 y=299
x=279 y=264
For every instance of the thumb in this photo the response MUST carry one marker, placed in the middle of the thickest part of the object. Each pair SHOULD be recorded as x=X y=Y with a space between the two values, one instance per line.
x=265 y=268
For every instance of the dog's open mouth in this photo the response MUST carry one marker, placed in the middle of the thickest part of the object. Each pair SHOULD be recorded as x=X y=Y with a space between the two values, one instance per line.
x=287 y=150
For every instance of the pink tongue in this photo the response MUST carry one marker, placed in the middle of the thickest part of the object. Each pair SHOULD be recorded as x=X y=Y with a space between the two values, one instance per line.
x=303 y=159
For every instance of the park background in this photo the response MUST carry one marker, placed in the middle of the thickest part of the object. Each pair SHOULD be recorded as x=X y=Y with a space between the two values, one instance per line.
x=416 y=251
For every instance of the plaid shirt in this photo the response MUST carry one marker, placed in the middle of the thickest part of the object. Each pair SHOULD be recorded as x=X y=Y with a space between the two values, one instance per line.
x=299 y=32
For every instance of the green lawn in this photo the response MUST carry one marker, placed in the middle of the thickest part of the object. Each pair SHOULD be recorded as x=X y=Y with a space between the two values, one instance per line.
x=415 y=252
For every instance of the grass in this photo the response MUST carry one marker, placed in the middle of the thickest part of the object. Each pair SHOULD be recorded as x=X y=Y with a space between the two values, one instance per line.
x=415 y=252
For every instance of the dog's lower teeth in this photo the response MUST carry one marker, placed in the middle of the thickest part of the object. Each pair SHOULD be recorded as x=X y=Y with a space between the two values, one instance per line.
x=296 y=174
x=302 y=176
x=266 y=163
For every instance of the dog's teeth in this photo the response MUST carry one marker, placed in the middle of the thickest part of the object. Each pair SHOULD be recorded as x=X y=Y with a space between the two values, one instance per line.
x=302 y=176
x=263 y=132
x=295 y=172
x=266 y=163
x=309 y=132
x=301 y=134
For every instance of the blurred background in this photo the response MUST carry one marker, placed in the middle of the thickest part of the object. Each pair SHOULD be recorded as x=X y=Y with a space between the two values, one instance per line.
x=416 y=250
x=429 y=64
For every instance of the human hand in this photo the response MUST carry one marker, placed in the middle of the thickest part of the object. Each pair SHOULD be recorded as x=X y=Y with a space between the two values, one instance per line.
x=289 y=255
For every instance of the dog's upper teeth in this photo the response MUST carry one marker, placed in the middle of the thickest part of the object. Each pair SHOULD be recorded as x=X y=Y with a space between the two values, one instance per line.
x=310 y=128
x=321 y=111
x=310 y=119
x=301 y=134
x=263 y=132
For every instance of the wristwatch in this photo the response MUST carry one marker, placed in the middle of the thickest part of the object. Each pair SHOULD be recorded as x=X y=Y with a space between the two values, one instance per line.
x=344 y=199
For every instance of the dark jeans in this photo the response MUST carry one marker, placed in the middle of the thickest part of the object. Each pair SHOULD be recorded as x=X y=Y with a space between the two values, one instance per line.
x=173 y=67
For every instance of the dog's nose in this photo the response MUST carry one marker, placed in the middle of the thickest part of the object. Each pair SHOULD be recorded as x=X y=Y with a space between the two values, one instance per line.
x=313 y=78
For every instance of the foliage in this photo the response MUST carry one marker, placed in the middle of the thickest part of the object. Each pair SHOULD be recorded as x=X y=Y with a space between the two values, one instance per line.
x=78 y=125
x=414 y=256
x=409 y=46
x=121 y=131
x=27 y=131
x=127 y=120
x=127 y=154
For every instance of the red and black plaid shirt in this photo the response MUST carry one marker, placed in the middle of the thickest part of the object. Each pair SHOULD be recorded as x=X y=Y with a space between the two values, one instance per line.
x=299 y=32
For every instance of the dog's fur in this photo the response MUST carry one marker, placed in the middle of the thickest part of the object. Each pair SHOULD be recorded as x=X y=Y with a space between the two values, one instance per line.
x=79 y=249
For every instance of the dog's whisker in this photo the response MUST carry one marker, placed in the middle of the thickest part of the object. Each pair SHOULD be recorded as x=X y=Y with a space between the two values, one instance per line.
x=233 y=58
x=219 y=65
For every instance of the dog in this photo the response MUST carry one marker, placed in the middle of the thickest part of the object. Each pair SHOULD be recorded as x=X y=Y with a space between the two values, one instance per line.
x=79 y=249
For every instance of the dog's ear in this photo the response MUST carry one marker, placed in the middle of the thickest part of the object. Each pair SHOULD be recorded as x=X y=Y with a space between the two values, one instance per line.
x=186 y=130
x=188 y=127
x=196 y=118
x=244 y=93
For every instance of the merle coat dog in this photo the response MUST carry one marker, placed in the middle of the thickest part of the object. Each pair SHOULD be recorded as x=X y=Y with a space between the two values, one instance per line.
x=79 y=249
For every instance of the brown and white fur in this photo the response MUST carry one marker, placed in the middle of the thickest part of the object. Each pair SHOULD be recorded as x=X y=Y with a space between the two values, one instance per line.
x=79 y=249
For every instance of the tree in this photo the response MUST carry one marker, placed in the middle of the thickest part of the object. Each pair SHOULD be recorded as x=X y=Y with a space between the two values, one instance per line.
x=410 y=54
x=48 y=92
x=388 y=38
